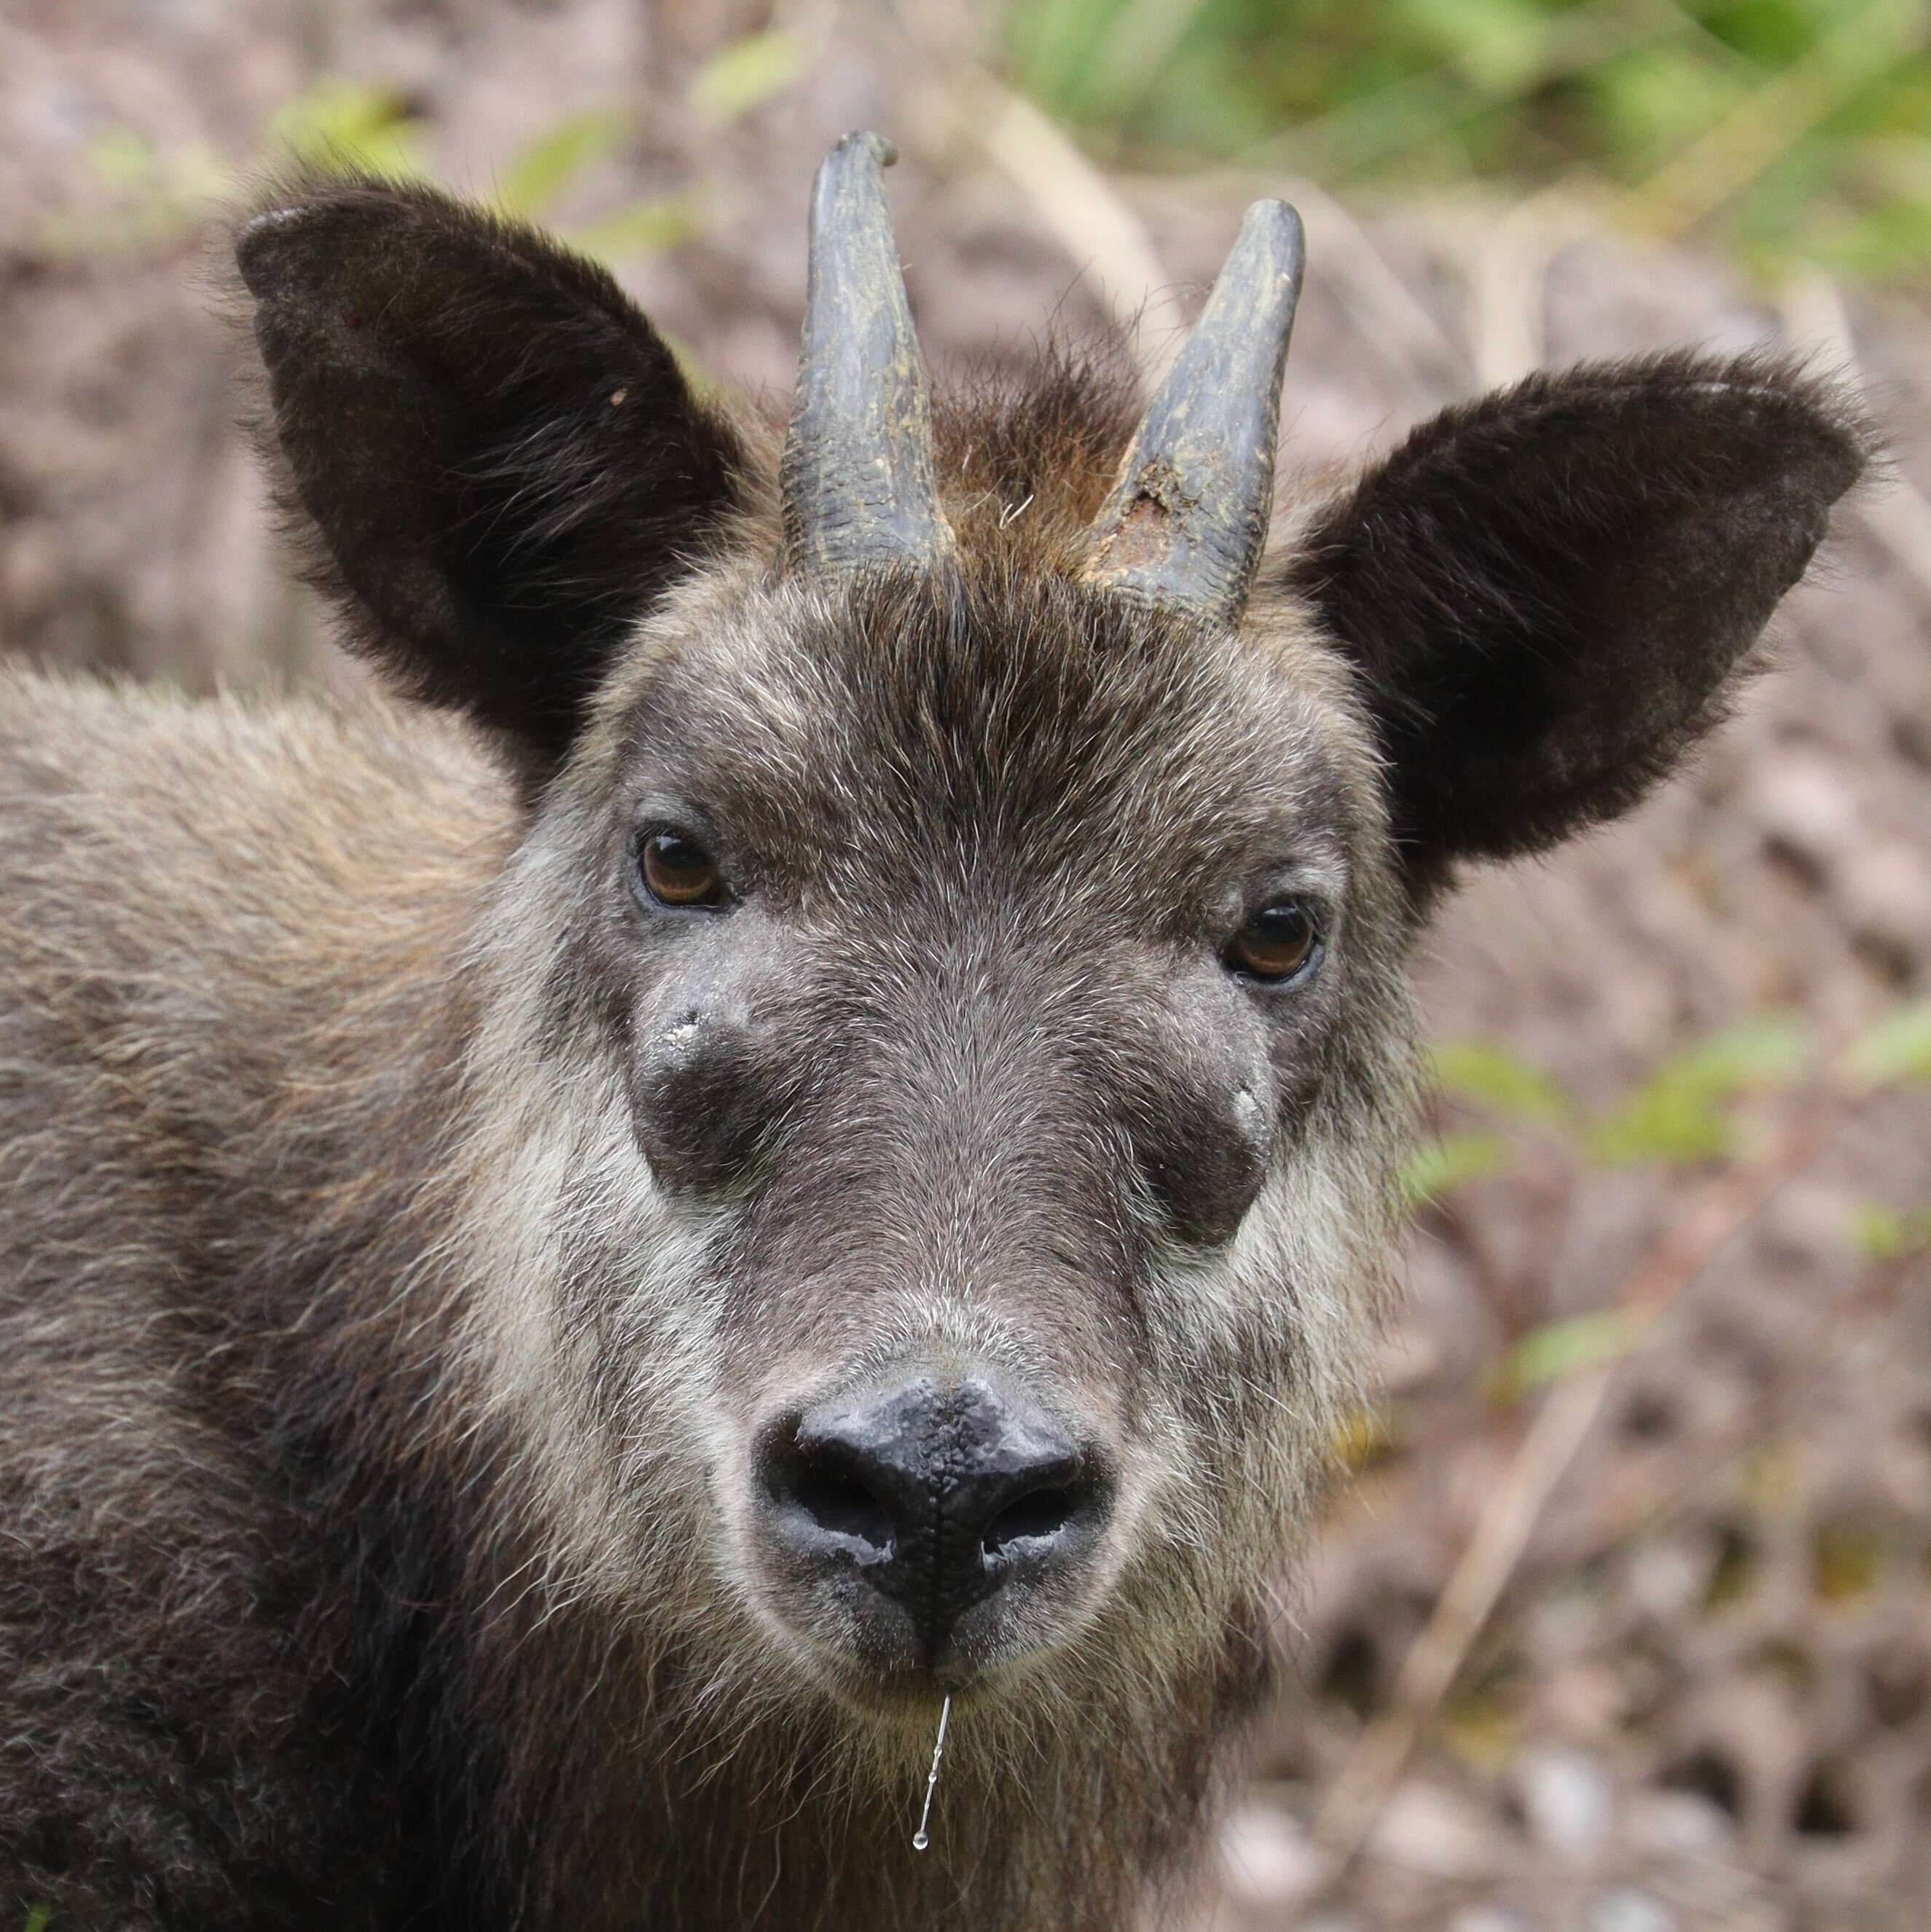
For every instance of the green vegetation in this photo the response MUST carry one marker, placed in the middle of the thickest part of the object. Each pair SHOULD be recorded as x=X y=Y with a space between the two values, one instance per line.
x=1795 y=131
x=1688 y=1112
x=1680 y=1113
x=156 y=198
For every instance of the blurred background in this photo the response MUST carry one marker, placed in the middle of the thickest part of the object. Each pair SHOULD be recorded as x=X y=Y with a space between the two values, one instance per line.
x=1624 y=1623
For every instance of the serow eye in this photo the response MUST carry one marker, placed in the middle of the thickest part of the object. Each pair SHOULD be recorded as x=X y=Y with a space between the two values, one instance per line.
x=1279 y=943
x=678 y=871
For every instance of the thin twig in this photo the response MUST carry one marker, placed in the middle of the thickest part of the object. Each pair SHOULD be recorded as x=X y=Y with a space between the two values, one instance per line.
x=1897 y=515
x=1082 y=211
x=1387 y=313
x=1724 y=1205
x=1819 y=1355
x=1507 y=277
x=956 y=103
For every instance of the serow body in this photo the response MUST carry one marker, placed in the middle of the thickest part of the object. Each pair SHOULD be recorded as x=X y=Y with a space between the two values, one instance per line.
x=799 y=1121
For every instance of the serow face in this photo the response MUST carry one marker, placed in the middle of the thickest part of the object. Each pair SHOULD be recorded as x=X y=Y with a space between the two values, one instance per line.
x=980 y=958
x=945 y=1053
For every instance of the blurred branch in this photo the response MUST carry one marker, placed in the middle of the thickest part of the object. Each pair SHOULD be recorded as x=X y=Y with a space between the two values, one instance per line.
x=1833 y=1332
x=1082 y=211
x=1897 y=514
x=1507 y=283
x=1390 y=316
x=1720 y=1210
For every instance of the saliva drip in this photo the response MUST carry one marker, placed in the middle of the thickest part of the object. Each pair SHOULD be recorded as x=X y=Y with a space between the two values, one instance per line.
x=920 y=1838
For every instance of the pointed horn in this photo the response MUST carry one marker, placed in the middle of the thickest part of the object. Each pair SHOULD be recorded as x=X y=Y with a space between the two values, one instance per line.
x=1187 y=521
x=858 y=482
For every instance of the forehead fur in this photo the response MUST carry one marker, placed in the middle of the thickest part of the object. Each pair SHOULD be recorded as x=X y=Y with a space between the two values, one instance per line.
x=1001 y=708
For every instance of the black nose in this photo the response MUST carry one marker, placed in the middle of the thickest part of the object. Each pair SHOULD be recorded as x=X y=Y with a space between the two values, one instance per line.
x=940 y=1494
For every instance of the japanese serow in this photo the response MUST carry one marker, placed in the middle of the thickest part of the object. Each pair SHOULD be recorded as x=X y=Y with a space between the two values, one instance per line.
x=800 y=1121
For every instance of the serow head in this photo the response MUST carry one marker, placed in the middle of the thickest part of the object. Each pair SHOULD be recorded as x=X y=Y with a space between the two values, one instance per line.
x=944 y=1058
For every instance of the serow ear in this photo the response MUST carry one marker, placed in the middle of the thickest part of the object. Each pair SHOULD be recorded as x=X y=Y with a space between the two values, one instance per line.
x=1548 y=594
x=499 y=455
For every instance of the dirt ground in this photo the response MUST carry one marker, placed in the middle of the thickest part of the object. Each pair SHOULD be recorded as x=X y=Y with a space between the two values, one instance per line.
x=1704 y=1698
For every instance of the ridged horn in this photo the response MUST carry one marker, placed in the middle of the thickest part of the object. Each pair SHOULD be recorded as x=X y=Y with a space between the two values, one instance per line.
x=1187 y=519
x=858 y=482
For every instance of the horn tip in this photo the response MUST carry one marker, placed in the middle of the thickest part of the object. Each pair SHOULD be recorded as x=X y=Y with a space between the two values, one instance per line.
x=875 y=147
x=1276 y=223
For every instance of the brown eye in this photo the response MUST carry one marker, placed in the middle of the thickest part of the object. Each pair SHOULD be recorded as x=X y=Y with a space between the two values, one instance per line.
x=1277 y=943
x=678 y=871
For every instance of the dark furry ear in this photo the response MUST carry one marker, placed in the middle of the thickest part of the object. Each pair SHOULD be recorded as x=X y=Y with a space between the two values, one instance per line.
x=1547 y=593
x=501 y=458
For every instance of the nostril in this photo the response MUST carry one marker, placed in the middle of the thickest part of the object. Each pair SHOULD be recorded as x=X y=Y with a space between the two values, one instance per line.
x=937 y=1494
x=841 y=1504
x=822 y=1485
x=1038 y=1514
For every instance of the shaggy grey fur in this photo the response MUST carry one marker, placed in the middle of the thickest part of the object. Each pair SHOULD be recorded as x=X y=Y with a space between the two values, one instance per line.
x=406 y=1226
